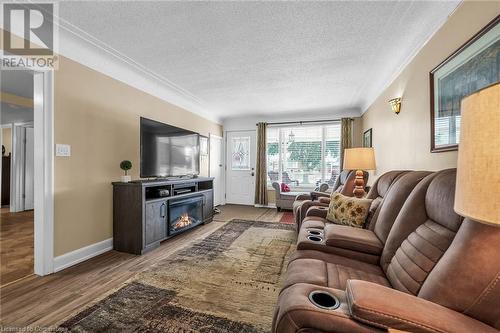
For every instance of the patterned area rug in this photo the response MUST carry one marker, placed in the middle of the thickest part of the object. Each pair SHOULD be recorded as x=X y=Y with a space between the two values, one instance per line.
x=225 y=283
x=287 y=218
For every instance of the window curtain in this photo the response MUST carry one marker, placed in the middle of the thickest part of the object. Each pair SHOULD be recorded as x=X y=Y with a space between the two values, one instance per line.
x=345 y=138
x=260 y=170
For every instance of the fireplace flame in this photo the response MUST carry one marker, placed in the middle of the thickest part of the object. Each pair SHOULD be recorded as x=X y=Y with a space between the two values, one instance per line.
x=183 y=221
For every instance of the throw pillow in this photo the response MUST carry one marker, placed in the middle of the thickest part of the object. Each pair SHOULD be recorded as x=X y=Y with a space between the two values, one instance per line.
x=348 y=211
x=285 y=187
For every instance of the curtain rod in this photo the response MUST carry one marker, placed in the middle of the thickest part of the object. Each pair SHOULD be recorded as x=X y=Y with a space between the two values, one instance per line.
x=303 y=122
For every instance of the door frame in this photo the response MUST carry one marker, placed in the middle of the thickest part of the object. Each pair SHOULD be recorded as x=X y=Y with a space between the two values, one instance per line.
x=43 y=109
x=222 y=185
x=18 y=166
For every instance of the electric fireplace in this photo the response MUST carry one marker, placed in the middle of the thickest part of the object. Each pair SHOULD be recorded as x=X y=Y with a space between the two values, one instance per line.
x=184 y=214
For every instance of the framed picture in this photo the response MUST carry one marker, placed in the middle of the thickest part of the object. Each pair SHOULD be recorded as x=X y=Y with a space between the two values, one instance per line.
x=367 y=138
x=472 y=67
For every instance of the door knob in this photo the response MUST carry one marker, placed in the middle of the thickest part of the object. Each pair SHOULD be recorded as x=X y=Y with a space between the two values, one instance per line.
x=253 y=174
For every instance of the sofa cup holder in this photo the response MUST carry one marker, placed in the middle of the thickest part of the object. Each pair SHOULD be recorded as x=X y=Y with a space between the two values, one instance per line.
x=316 y=239
x=324 y=300
x=314 y=232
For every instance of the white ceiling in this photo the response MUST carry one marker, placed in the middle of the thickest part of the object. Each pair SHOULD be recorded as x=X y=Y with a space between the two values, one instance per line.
x=263 y=58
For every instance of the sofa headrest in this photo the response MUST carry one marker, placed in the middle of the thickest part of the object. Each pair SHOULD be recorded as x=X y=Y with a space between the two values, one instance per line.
x=439 y=200
x=394 y=200
x=344 y=175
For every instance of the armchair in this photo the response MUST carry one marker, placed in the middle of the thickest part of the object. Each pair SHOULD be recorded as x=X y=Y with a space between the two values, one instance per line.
x=284 y=200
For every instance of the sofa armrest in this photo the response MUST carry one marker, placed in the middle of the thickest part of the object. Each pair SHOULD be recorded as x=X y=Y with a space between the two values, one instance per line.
x=295 y=313
x=349 y=238
x=384 y=307
x=324 y=200
x=315 y=195
x=320 y=210
x=302 y=197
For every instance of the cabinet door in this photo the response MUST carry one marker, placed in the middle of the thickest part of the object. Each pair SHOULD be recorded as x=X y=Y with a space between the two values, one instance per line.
x=208 y=205
x=156 y=220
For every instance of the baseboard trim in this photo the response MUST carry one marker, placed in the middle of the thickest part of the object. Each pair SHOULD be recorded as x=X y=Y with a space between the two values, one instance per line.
x=272 y=205
x=77 y=256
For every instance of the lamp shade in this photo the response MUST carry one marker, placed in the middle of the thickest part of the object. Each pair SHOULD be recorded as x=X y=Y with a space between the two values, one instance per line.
x=359 y=159
x=477 y=195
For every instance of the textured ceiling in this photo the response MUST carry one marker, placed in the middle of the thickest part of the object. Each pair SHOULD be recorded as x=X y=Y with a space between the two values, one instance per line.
x=261 y=58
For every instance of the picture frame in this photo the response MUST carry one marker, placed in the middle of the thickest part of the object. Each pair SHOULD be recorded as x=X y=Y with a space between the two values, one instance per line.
x=367 y=138
x=467 y=70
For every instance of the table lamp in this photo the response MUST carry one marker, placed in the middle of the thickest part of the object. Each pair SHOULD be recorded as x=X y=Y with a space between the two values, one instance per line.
x=477 y=195
x=359 y=159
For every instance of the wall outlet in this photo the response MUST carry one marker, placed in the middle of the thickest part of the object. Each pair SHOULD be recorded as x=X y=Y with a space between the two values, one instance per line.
x=63 y=150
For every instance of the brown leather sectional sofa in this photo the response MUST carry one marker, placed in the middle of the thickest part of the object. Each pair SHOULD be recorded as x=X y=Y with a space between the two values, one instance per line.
x=419 y=267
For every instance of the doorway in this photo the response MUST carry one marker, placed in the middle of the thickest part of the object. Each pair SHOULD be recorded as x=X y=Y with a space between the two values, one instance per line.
x=241 y=147
x=41 y=107
x=17 y=168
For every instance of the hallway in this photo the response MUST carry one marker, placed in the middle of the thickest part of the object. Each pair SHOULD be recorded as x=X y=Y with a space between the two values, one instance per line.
x=16 y=245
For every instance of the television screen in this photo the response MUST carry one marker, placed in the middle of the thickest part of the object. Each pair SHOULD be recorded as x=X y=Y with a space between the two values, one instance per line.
x=168 y=150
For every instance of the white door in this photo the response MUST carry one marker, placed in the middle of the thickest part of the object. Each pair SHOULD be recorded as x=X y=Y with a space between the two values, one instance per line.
x=29 y=181
x=216 y=165
x=240 y=162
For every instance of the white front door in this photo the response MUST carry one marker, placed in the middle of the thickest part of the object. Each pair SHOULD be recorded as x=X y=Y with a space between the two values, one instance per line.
x=216 y=165
x=240 y=162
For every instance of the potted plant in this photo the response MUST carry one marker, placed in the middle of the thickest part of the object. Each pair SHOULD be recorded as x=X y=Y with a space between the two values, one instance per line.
x=126 y=165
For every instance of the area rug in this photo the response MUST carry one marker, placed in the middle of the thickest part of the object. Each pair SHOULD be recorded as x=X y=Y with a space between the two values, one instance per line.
x=225 y=283
x=287 y=218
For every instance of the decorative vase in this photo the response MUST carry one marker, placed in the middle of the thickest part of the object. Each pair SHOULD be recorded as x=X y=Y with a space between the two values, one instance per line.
x=126 y=179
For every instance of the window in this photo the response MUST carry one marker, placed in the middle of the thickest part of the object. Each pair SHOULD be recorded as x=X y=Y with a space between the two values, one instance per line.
x=241 y=153
x=303 y=156
x=447 y=130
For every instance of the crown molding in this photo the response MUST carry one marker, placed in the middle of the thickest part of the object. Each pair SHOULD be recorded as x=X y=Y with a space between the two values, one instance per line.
x=89 y=51
x=399 y=70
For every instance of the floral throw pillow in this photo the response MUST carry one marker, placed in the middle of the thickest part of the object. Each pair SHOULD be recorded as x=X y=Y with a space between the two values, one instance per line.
x=348 y=211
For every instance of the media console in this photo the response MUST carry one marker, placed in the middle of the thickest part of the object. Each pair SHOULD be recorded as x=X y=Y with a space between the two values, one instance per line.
x=147 y=212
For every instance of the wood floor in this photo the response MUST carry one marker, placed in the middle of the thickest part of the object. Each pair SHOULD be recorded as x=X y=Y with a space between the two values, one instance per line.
x=16 y=245
x=46 y=301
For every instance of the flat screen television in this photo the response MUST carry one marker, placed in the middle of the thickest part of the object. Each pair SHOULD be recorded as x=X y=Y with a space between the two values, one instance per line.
x=168 y=151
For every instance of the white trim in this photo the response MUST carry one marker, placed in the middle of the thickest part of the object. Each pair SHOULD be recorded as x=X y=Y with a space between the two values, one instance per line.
x=271 y=205
x=43 y=105
x=77 y=256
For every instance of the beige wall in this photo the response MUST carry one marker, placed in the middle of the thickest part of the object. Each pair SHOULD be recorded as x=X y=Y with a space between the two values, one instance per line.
x=99 y=117
x=403 y=141
x=7 y=140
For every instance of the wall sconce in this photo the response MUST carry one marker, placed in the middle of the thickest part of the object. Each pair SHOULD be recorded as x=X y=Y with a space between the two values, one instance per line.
x=395 y=104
